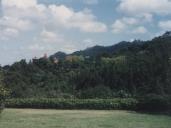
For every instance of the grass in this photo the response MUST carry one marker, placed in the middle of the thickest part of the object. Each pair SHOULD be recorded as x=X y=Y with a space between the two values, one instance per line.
x=37 y=118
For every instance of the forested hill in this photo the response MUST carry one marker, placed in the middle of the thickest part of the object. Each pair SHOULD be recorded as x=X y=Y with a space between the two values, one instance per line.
x=99 y=50
x=126 y=69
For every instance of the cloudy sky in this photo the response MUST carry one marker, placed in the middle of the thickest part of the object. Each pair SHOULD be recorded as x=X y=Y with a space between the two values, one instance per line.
x=30 y=28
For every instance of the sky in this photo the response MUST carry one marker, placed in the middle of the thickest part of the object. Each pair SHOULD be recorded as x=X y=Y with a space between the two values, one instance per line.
x=31 y=28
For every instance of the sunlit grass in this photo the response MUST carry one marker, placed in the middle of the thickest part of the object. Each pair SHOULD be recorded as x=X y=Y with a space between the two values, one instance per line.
x=36 y=118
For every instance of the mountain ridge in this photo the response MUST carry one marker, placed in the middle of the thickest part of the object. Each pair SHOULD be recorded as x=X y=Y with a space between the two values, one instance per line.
x=98 y=49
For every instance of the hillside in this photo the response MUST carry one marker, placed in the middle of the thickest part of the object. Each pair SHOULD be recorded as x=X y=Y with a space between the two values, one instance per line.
x=126 y=69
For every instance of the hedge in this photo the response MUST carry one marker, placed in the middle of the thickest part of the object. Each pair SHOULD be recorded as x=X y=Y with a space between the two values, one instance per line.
x=1 y=107
x=100 y=104
x=3 y=95
x=154 y=103
x=148 y=103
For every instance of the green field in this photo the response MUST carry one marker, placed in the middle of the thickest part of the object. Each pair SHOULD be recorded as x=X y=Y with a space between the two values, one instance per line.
x=32 y=118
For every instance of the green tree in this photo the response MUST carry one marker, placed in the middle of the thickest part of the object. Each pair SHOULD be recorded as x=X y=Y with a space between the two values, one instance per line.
x=3 y=93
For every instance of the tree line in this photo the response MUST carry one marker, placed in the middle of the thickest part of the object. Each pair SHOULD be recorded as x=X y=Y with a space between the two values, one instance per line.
x=136 y=69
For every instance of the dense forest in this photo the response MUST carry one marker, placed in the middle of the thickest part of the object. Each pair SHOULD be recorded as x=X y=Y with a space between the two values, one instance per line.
x=127 y=69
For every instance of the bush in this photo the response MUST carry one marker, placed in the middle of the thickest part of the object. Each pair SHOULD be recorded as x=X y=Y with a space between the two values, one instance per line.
x=106 y=104
x=3 y=94
x=96 y=92
x=1 y=106
x=123 y=94
x=154 y=103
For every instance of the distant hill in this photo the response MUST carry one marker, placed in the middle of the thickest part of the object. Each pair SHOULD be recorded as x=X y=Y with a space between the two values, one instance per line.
x=97 y=50
x=59 y=55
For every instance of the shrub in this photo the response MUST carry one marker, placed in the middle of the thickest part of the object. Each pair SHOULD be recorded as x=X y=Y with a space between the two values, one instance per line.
x=96 y=92
x=106 y=104
x=3 y=94
x=123 y=94
x=154 y=103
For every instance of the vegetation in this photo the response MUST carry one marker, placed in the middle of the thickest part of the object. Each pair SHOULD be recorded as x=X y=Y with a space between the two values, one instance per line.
x=1 y=98
x=154 y=103
x=30 y=118
x=3 y=93
x=126 y=70
x=150 y=103
x=108 y=104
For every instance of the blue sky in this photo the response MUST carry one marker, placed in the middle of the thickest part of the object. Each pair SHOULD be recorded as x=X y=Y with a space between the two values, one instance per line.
x=30 y=28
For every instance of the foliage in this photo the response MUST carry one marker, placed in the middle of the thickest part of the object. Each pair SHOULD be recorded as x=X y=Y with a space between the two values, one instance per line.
x=96 y=92
x=127 y=69
x=3 y=94
x=154 y=103
x=125 y=104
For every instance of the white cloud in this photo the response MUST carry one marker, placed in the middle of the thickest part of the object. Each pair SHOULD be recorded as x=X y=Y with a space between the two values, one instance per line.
x=61 y=13
x=19 y=24
x=128 y=25
x=130 y=20
x=56 y=15
x=83 y=20
x=140 y=30
x=118 y=26
x=140 y=7
x=165 y=25
x=138 y=14
x=8 y=33
x=50 y=37
x=19 y=3
x=29 y=9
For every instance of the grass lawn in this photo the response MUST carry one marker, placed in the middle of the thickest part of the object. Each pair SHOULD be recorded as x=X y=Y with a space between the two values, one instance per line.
x=31 y=118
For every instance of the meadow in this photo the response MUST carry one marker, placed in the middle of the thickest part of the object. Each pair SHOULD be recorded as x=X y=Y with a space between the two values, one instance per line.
x=39 y=118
